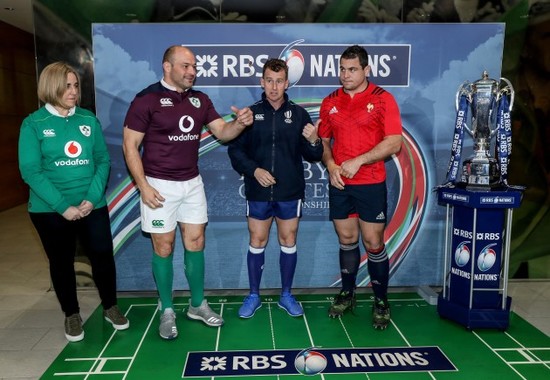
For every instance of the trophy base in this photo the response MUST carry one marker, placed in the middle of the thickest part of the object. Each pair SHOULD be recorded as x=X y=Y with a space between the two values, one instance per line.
x=481 y=175
x=475 y=187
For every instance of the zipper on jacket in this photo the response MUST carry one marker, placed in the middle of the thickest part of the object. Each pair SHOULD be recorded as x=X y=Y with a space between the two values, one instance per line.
x=273 y=123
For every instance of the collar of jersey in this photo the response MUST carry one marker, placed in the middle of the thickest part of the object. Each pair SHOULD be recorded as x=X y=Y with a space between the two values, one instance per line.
x=171 y=88
x=51 y=109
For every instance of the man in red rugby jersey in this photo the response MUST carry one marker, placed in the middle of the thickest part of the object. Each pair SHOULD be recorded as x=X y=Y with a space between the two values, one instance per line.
x=360 y=128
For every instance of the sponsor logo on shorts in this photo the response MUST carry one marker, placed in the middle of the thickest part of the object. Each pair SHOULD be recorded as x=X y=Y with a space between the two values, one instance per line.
x=158 y=223
x=381 y=216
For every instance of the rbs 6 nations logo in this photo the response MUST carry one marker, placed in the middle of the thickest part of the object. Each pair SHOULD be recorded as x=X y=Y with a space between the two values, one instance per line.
x=313 y=361
x=309 y=65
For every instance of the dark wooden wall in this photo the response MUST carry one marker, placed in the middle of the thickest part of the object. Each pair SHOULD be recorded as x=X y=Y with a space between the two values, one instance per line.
x=17 y=99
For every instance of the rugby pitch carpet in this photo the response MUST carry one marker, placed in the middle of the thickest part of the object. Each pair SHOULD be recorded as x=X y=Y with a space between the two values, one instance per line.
x=272 y=345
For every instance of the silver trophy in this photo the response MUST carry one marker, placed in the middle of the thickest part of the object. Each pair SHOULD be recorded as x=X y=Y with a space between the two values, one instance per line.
x=481 y=170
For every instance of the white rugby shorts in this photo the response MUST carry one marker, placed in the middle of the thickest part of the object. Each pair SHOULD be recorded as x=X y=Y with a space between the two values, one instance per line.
x=185 y=201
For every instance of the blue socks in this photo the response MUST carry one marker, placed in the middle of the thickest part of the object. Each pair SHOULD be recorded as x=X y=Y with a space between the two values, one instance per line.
x=255 y=259
x=287 y=263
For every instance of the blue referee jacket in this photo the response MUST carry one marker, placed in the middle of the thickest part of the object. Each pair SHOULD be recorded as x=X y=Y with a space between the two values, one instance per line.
x=274 y=142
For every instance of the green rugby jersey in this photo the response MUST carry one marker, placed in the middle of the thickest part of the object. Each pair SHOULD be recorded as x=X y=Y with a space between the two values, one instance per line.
x=64 y=160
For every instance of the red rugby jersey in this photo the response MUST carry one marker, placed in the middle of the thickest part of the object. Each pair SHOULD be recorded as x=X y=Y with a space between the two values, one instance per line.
x=358 y=124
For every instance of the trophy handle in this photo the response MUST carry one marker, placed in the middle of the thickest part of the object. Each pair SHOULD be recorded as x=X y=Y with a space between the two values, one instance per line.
x=465 y=88
x=508 y=89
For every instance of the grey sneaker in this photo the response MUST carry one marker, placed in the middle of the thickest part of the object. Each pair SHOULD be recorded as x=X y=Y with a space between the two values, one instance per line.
x=116 y=318
x=204 y=313
x=73 y=328
x=167 y=327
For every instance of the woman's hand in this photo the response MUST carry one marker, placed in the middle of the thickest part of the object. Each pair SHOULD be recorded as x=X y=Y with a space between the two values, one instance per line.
x=86 y=207
x=72 y=214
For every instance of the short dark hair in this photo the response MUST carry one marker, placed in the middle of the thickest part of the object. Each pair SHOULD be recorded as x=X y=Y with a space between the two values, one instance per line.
x=275 y=64
x=357 y=51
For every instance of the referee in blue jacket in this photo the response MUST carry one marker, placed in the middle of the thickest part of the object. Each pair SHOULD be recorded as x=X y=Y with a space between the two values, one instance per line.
x=268 y=154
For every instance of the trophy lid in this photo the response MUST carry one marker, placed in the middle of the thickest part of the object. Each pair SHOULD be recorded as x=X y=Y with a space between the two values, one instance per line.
x=485 y=84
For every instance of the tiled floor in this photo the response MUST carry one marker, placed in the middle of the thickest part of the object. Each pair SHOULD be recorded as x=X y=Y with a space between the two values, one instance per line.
x=31 y=323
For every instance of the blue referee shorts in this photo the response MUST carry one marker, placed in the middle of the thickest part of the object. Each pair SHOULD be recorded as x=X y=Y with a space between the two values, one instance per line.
x=283 y=210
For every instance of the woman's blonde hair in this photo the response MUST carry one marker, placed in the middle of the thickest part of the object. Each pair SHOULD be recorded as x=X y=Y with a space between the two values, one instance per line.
x=52 y=83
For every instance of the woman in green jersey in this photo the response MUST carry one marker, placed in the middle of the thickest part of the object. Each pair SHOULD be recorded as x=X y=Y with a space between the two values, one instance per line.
x=64 y=160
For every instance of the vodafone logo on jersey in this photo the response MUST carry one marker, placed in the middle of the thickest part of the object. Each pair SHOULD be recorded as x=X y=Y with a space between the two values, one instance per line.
x=186 y=125
x=73 y=150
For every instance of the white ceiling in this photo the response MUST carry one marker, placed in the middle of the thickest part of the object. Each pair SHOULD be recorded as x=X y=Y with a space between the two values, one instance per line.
x=17 y=13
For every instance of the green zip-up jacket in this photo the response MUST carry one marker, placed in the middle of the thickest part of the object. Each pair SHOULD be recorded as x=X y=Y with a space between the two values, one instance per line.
x=63 y=159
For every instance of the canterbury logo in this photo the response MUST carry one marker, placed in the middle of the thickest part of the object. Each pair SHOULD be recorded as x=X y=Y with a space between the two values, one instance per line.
x=259 y=116
x=333 y=110
x=158 y=223
x=48 y=133
x=380 y=216
x=166 y=102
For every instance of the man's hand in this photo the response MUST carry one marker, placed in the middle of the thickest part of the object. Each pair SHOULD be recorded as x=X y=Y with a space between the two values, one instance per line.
x=264 y=177
x=335 y=175
x=151 y=197
x=245 y=117
x=350 y=167
x=310 y=132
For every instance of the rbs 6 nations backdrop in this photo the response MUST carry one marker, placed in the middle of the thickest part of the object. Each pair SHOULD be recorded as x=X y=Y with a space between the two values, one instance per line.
x=422 y=65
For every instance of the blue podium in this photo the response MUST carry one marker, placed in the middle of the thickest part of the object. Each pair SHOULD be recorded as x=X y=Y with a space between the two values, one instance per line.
x=477 y=252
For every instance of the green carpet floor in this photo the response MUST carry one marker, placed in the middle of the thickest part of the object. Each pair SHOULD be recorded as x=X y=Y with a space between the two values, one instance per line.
x=417 y=345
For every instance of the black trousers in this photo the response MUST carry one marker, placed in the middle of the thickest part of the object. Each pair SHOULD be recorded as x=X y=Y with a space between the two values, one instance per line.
x=59 y=238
